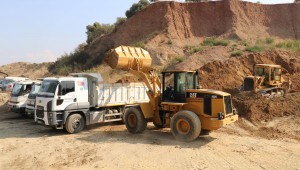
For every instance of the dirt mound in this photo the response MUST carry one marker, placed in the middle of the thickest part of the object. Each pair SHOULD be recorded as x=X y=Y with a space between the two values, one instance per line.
x=228 y=75
x=255 y=108
x=4 y=97
x=166 y=27
x=31 y=70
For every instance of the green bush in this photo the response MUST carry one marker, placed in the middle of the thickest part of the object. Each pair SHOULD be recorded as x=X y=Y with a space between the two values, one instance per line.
x=236 y=53
x=254 y=49
x=139 y=44
x=73 y=62
x=97 y=29
x=196 y=49
x=136 y=7
x=293 y=45
x=269 y=40
x=179 y=59
x=215 y=42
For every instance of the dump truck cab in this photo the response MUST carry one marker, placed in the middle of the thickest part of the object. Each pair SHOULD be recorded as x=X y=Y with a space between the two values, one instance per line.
x=19 y=96
x=30 y=103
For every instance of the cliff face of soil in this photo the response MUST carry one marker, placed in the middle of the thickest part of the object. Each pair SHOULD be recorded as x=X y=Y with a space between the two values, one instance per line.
x=183 y=24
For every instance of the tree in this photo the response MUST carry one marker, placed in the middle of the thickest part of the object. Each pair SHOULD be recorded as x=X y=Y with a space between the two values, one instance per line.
x=136 y=7
x=119 y=21
x=297 y=1
x=97 y=29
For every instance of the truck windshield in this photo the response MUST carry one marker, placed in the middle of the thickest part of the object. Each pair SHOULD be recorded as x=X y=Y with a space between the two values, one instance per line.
x=16 y=90
x=48 y=86
x=35 y=89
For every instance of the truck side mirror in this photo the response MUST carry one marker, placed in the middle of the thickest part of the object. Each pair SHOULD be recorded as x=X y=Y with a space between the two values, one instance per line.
x=59 y=90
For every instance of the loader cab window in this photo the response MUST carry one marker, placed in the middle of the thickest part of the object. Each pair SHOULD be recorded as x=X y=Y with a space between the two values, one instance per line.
x=67 y=87
x=175 y=85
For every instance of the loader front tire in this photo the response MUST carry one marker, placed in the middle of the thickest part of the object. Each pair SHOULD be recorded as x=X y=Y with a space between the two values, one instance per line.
x=134 y=120
x=185 y=126
x=75 y=123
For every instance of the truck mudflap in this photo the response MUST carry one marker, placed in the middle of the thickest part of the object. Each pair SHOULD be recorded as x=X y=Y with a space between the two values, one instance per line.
x=217 y=123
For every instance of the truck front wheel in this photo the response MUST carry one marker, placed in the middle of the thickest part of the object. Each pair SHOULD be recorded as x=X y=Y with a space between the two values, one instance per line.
x=185 y=126
x=134 y=120
x=75 y=123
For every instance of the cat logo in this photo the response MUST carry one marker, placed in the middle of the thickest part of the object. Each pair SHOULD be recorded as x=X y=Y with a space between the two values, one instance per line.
x=193 y=95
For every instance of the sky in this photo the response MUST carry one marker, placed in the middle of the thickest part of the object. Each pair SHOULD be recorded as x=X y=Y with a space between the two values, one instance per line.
x=42 y=30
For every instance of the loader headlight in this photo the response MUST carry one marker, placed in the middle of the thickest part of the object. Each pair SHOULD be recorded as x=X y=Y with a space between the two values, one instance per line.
x=221 y=116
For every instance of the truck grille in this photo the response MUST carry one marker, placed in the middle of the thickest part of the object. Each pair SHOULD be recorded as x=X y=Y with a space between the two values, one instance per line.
x=40 y=112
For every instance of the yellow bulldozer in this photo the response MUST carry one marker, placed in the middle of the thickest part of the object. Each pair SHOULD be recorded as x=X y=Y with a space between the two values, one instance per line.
x=266 y=80
x=175 y=100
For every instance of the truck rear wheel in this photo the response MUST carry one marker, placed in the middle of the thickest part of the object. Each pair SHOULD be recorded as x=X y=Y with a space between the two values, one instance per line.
x=74 y=123
x=185 y=126
x=134 y=120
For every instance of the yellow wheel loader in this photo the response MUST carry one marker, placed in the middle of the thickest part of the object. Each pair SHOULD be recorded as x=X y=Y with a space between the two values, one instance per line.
x=267 y=80
x=175 y=100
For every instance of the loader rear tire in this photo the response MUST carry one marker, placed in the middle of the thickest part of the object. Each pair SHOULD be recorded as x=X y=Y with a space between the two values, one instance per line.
x=134 y=120
x=185 y=126
x=75 y=123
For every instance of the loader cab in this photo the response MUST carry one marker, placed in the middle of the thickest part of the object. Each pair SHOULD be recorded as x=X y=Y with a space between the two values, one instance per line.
x=175 y=84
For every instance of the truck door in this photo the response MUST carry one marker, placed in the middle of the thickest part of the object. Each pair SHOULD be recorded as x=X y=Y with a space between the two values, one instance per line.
x=67 y=95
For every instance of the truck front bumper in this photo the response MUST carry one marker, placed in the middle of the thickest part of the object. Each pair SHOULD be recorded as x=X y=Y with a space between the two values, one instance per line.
x=29 y=111
x=15 y=108
x=53 y=119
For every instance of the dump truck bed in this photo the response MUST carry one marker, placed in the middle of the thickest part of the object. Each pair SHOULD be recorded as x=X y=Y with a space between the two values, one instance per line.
x=121 y=94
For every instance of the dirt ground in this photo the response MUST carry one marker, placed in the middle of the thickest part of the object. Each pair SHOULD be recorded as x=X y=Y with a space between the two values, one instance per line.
x=244 y=145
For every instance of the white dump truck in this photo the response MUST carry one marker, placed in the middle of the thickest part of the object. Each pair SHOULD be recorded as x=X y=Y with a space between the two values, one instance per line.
x=30 y=103
x=19 y=96
x=84 y=99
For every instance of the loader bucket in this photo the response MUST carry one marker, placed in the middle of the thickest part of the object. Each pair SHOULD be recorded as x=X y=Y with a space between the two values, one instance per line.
x=125 y=58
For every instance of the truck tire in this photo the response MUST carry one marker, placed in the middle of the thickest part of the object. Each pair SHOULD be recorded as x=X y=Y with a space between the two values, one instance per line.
x=134 y=120
x=185 y=126
x=75 y=123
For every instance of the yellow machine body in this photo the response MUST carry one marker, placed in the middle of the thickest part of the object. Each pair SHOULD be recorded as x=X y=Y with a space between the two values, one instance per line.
x=266 y=78
x=214 y=108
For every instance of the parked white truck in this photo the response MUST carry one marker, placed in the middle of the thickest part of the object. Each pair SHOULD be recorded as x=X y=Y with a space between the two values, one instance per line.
x=19 y=96
x=30 y=103
x=84 y=99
